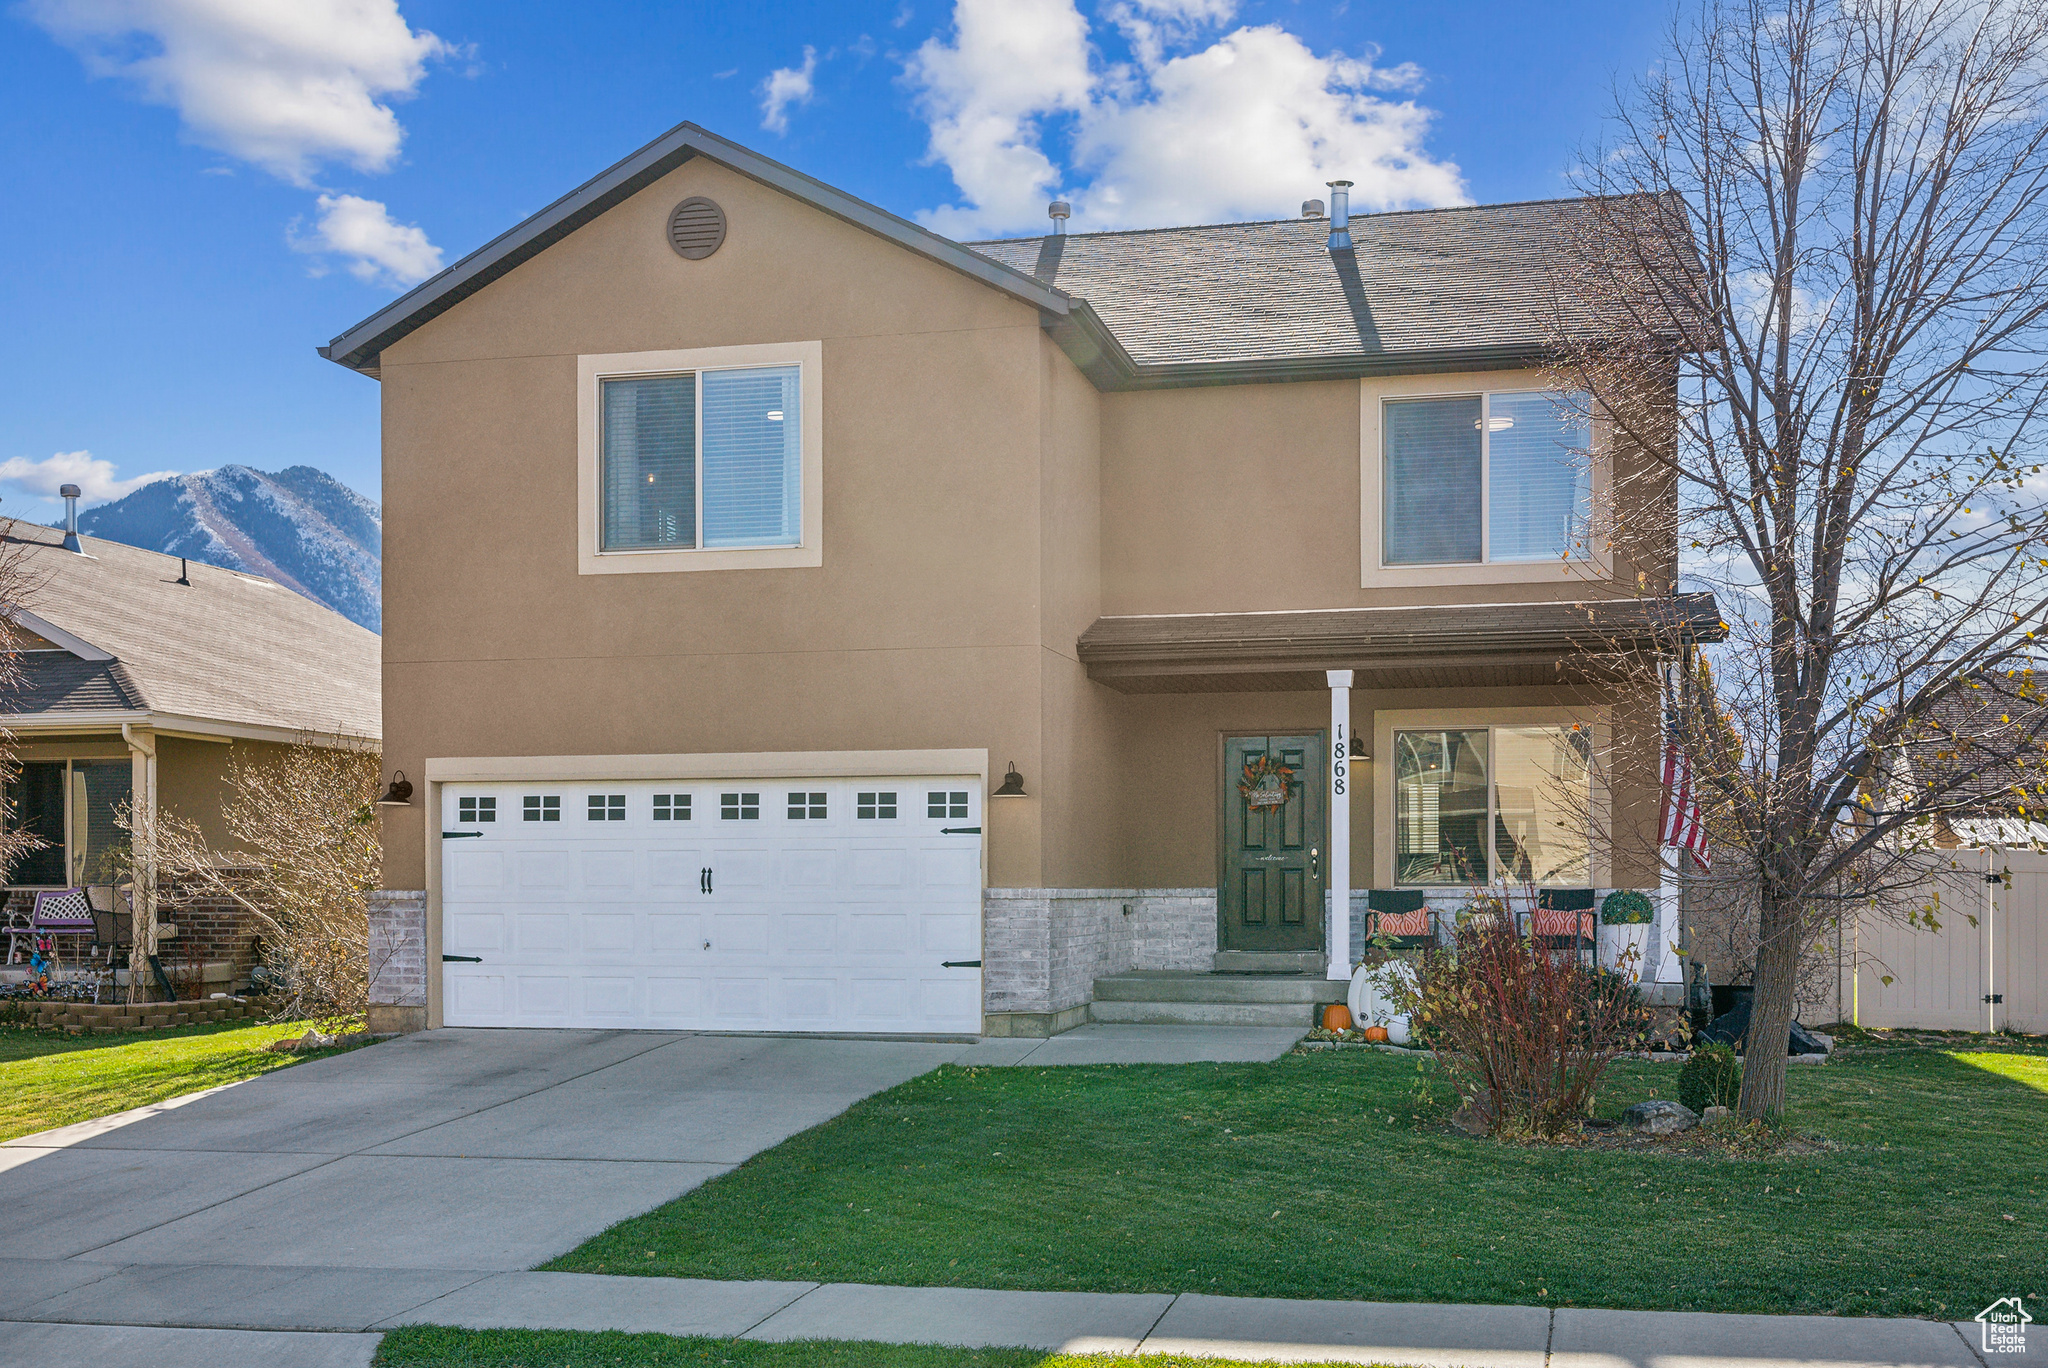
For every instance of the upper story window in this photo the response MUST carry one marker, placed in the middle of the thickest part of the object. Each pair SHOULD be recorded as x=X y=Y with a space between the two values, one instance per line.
x=705 y=459
x=1485 y=478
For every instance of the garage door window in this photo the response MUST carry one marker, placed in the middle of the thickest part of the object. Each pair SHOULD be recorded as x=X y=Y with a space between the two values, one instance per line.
x=607 y=807
x=476 y=810
x=671 y=807
x=948 y=804
x=739 y=807
x=542 y=808
x=873 y=806
x=807 y=806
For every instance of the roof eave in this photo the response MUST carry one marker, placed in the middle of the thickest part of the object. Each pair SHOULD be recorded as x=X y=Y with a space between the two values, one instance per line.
x=1088 y=342
x=359 y=348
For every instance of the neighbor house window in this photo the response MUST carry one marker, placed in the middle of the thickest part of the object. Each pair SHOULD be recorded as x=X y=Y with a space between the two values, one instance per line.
x=1491 y=805
x=1485 y=477
x=702 y=460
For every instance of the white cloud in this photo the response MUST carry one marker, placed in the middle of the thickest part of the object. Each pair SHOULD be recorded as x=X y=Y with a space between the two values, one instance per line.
x=95 y=478
x=285 y=86
x=1249 y=125
x=784 y=87
x=378 y=250
x=1010 y=64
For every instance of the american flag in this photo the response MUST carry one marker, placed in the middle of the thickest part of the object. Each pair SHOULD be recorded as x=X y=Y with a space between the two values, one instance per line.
x=1679 y=824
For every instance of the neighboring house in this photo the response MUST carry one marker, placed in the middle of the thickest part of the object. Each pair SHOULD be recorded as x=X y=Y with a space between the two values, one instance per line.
x=741 y=537
x=139 y=673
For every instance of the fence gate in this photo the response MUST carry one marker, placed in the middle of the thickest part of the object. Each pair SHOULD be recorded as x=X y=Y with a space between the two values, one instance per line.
x=1983 y=970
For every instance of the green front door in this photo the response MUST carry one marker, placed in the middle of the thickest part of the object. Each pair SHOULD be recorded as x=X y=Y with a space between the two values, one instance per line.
x=1271 y=895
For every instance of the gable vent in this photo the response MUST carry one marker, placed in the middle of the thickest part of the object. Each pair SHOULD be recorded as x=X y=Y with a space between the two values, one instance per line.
x=696 y=228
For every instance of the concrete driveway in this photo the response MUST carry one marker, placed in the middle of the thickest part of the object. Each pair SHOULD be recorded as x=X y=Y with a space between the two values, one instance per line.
x=343 y=1192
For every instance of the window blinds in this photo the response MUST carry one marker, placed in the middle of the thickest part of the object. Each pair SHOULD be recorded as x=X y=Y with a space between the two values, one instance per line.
x=1432 y=481
x=1538 y=480
x=752 y=451
x=650 y=462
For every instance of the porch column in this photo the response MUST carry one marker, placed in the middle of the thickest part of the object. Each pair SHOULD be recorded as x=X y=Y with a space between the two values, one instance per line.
x=142 y=856
x=1337 y=922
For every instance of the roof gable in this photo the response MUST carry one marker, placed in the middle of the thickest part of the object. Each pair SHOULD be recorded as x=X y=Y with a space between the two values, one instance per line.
x=360 y=347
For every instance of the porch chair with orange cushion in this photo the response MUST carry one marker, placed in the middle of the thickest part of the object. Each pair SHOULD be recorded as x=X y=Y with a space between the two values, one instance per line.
x=1399 y=915
x=1563 y=920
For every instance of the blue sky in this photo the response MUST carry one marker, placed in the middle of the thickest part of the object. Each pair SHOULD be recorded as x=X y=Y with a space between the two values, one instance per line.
x=199 y=192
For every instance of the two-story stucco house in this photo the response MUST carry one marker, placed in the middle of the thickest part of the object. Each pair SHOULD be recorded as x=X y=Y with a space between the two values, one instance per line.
x=798 y=621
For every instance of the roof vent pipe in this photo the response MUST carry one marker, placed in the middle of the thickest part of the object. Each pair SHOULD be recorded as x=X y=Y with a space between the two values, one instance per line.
x=1311 y=208
x=1340 y=215
x=70 y=494
x=1059 y=211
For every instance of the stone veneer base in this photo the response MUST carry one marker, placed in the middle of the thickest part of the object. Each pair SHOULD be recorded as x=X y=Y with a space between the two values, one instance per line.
x=1033 y=1025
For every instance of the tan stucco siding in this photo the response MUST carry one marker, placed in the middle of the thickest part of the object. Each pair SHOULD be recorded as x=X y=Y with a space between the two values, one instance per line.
x=921 y=627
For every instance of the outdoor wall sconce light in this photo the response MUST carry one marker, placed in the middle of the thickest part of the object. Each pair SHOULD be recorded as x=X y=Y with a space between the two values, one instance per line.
x=1358 y=747
x=400 y=792
x=1013 y=784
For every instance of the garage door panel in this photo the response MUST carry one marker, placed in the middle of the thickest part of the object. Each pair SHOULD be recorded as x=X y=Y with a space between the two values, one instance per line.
x=833 y=920
x=673 y=932
x=608 y=869
x=545 y=932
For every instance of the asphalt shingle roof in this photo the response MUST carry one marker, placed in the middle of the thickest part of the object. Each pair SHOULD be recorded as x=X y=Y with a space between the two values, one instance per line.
x=1416 y=284
x=228 y=647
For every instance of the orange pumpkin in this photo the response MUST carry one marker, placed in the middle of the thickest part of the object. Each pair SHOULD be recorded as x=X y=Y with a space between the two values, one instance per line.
x=1336 y=1017
x=1376 y=1034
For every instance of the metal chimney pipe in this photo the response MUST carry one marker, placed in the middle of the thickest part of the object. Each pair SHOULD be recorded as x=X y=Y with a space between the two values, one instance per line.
x=70 y=495
x=1059 y=211
x=1340 y=215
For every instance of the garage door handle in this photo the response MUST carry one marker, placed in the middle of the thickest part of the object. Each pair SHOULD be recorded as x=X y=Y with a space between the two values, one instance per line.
x=943 y=831
x=704 y=882
x=462 y=959
x=458 y=835
x=959 y=964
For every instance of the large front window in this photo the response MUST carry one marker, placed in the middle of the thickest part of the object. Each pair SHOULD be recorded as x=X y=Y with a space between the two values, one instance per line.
x=1491 y=805
x=702 y=459
x=1485 y=477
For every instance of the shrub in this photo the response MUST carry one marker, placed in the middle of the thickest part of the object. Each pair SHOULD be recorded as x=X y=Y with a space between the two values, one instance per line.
x=1627 y=907
x=1712 y=1077
x=1531 y=1028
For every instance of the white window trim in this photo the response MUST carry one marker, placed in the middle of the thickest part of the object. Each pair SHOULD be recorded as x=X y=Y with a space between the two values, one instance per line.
x=1373 y=396
x=592 y=371
x=1599 y=861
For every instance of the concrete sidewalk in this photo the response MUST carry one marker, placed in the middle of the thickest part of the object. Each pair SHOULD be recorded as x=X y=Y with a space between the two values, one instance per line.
x=221 y=1325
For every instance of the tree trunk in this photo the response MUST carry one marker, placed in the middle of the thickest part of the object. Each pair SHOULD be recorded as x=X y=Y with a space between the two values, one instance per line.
x=1770 y=1012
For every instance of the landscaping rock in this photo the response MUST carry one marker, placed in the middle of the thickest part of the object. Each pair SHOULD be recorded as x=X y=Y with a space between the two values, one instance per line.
x=1712 y=1115
x=1660 y=1116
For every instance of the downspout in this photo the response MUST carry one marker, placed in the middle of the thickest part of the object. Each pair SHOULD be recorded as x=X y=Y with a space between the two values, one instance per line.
x=142 y=807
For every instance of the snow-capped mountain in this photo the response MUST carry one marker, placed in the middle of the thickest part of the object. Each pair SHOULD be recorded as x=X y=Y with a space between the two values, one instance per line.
x=301 y=527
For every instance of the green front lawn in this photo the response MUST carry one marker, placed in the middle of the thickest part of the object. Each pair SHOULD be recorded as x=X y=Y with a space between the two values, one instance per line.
x=1324 y=1176
x=433 y=1346
x=48 y=1079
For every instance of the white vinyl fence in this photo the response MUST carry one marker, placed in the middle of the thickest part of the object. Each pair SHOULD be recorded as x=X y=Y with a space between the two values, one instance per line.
x=1984 y=970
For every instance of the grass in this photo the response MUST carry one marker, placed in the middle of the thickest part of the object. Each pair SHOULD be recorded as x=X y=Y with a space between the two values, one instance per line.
x=433 y=1346
x=1324 y=1176
x=49 y=1079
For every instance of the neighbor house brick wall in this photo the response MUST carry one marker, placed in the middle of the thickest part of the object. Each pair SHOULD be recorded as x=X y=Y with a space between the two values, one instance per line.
x=398 y=959
x=212 y=929
x=1043 y=948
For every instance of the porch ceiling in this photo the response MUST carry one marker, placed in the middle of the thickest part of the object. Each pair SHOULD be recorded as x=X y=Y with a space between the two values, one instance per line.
x=1434 y=646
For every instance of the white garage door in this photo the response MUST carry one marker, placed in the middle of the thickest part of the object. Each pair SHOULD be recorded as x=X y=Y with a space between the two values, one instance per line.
x=839 y=905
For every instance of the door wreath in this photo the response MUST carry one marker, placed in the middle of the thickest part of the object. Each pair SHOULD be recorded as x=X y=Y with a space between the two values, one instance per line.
x=1266 y=783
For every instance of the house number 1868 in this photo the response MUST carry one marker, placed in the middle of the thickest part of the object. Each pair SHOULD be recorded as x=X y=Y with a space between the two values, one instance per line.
x=1340 y=754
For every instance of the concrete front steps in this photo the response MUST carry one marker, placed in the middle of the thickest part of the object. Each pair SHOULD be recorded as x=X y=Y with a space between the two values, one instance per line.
x=1178 y=998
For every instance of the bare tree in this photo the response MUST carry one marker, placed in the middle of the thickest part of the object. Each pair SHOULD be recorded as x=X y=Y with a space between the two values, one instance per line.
x=1814 y=294
x=301 y=855
x=19 y=584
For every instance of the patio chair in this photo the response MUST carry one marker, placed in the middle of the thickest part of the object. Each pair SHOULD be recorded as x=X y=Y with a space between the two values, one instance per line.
x=113 y=924
x=20 y=932
x=63 y=912
x=1400 y=915
x=1563 y=920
